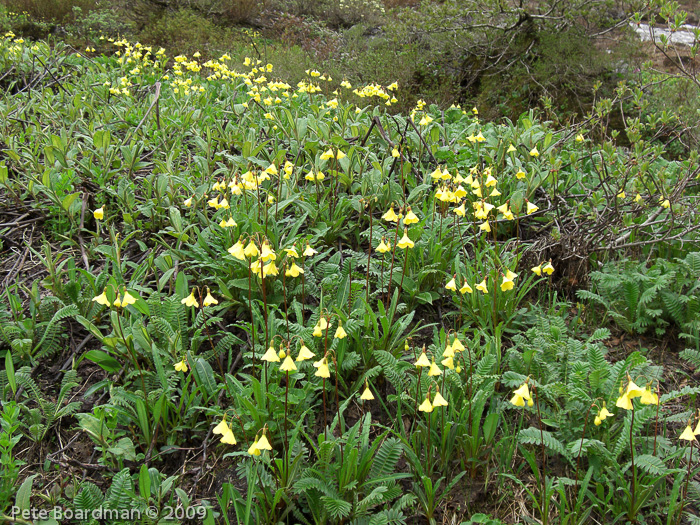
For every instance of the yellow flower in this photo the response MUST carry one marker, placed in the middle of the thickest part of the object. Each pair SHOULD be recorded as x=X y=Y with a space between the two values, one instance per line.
x=270 y=269
x=340 y=333
x=292 y=252
x=649 y=397
x=687 y=434
x=624 y=402
x=548 y=268
x=485 y=227
x=531 y=208
x=425 y=120
x=439 y=401
x=267 y=254
x=482 y=286
x=460 y=211
x=507 y=284
x=126 y=300
x=448 y=362
x=321 y=325
x=304 y=353
x=480 y=137
x=367 y=394
x=411 y=218
x=383 y=246
x=621 y=195
x=511 y=149
x=666 y=203
x=597 y=421
x=209 y=299
x=523 y=391
x=422 y=360
x=102 y=298
x=426 y=406
x=534 y=152
x=254 y=450
x=520 y=174
x=271 y=355
x=294 y=270
x=323 y=370
x=434 y=369
x=188 y=202
x=390 y=215
x=309 y=251
x=457 y=345
x=228 y=438
x=638 y=198
x=99 y=213
x=190 y=300
x=395 y=153
x=221 y=428
x=237 y=250
x=517 y=400
x=181 y=366
x=537 y=270
x=579 y=138
x=288 y=365
x=251 y=250
x=451 y=285
x=490 y=181
x=327 y=155
x=405 y=241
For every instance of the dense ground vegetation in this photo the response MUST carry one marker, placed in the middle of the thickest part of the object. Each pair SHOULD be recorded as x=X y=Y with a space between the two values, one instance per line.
x=241 y=293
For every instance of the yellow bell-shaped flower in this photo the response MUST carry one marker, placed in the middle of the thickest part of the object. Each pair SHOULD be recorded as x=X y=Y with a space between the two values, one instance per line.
x=294 y=270
x=271 y=355
x=482 y=286
x=190 y=300
x=390 y=215
x=304 y=353
x=422 y=361
x=181 y=366
x=102 y=298
x=288 y=365
x=452 y=286
x=434 y=369
x=410 y=218
x=237 y=250
x=439 y=401
x=405 y=241
x=426 y=405
x=688 y=434
x=340 y=332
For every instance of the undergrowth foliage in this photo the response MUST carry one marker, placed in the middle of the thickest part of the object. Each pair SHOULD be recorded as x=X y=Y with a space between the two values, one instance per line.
x=343 y=316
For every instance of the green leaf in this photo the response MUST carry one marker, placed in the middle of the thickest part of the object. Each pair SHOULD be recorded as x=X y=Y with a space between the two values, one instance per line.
x=24 y=493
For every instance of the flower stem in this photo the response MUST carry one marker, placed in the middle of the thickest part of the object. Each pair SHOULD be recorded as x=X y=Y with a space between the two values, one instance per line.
x=369 y=250
x=687 y=478
x=393 y=257
x=634 y=472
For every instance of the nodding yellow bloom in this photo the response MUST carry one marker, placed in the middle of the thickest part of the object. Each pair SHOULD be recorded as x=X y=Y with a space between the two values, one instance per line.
x=292 y=252
x=190 y=300
x=511 y=275
x=228 y=438
x=638 y=198
x=534 y=152
x=251 y=250
x=410 y=218
x=230 y=223
x=482 y=286
x=520 y=174
x=451 y=285
x=237 y=250
x=288 y=365
x=579 y=138
x=632 y=389
x=309 y=251
x=181 y=366
x=327 y=155
x=304 y=353
x=602 y=415
x=367 y=394
x=395 y=153
x=422 y=360
x=390 y=215
x=340 y=332
x=426 y=405
x=323 y=370
x=267 y=254
x=625 y=402
x=537 y=270
x=490 y=181
x=384 y=246
x=688 y=434
x=507 y=284
x=480 y=137
x=405 y=241
x=321 y=325
x=270 y=269
x=288 y=169
x=188 y=202
x=548 y=268
x=222 y=428
x=434 y=369
x=99 y=213
x=425 y=120
x=448 y=362
x=460 y=211
x=523 y=391
x=271 y=169
x=531 y=208
x=209 y=299
x=649 y=397
x=102 y=298
x=511 y=149
x=294 y=270
x=517 y=400
x=271 y=355
x=254 y=450
x=214 y=203
x=666 y=203
x=485 y=227
x=457 y=345
x=621 y=195
x=439 y=401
